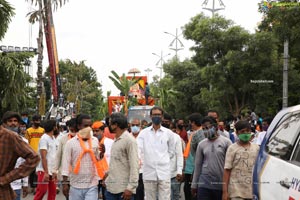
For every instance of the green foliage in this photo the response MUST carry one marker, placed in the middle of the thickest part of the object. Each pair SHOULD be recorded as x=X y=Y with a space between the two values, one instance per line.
x=224 y=71
x=6 y=14
x=80 y=84
x=15 y=92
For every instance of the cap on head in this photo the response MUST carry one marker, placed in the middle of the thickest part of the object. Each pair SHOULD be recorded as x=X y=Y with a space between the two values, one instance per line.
x=97 y=124
x=10 y=114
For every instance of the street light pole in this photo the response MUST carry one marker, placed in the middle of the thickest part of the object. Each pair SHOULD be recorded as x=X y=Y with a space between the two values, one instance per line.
x=213 y=9
x=148 y=70
x=176 y=40
x=161 y=61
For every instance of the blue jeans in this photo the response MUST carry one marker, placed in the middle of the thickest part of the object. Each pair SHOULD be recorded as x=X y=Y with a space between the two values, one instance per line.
x=18 y=193
x=175 y=189
x=83 y=194
x=208 y=194
x=111 y=196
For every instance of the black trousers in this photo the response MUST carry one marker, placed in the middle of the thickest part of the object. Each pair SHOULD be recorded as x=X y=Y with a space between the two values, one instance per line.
x=33 y=179
x=102 y=189
x=140 y=189
x=187 y=187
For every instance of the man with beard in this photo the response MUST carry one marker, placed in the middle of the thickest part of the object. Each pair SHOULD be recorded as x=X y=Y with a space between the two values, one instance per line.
x=18 y=161
x=157 y=145
x=123 y=175
x=209 y=162
x=33 y=135
x=47 y=151
x=71 y=124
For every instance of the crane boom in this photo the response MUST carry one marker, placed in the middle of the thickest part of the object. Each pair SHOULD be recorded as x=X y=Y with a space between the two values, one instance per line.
x=52 y=54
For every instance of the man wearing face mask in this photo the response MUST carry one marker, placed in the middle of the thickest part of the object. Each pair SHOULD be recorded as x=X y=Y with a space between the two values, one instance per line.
x=166 y=121
x=71 y=124
x=81 y=153
x=47 y=152
x=122 y=178
x=24 y=116
x=180 y=129
x=33 y=135
x=98 y=132
x=209 y=162
x=239 y=162
x=157 y=145
x=135 y=130
x=265 y=125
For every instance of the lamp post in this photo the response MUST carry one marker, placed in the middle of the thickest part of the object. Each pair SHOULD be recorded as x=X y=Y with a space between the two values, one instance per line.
x=176 y=40
x=161 y=61
x=213 y=9
x=148 y=70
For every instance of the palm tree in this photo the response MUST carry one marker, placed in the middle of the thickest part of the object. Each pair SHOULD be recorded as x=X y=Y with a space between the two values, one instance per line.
x=124 y=85
x=40 y=15
x=6 y=13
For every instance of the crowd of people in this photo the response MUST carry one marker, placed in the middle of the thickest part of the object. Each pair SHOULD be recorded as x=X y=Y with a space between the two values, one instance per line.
x=116 y=159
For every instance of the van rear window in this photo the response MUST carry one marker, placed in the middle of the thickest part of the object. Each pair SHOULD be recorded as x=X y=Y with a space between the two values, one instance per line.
x=284 y=137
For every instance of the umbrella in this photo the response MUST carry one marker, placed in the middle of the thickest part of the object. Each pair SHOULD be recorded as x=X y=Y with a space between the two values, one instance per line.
x=134 y=71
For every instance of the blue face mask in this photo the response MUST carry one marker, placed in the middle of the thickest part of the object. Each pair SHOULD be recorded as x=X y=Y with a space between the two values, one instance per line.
x=156 y=120
x=25 y=119
x=135 y=129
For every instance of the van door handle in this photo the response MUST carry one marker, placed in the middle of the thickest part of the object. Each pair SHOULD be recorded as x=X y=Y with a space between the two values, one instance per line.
x=285 y=183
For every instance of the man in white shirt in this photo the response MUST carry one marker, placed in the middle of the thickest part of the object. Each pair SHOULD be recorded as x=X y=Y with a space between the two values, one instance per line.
x=157 y=145
x=47 y=151
x=261 y=135
x=176 y=167
x=135 y=130
x=71 y=124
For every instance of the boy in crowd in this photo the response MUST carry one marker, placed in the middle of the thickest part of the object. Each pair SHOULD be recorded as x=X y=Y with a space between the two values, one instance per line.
x=239 y=162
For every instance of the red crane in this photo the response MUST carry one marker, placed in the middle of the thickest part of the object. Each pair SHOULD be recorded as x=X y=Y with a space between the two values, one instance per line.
x=49 y=30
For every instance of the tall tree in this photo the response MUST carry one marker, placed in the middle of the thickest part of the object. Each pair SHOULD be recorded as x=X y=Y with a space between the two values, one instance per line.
x=6 y=14
x=80 y=85
x=228 y=58
x=281 y=18
x=14 y=92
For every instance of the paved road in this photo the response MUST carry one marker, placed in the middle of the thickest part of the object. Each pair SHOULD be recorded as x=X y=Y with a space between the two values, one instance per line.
x=60 y=196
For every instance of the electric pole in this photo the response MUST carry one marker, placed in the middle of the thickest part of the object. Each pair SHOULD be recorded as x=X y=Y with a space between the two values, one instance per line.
x=213 y=9
x=148 y=70
x=161 y=61
x=176 y=40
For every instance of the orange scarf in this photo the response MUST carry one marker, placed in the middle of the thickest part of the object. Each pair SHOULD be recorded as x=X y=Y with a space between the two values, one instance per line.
x=99 y=165
x=188 y=147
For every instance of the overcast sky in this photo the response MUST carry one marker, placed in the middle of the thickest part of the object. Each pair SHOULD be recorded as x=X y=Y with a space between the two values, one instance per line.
x=120 y=35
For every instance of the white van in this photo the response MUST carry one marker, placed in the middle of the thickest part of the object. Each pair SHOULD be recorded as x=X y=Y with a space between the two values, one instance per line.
x=276 y=173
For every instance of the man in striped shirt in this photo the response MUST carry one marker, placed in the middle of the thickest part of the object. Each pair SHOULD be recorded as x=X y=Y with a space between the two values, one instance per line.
x=83 y=177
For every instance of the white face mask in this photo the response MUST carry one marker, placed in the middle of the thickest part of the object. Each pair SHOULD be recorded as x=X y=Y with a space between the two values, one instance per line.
x=135 y=129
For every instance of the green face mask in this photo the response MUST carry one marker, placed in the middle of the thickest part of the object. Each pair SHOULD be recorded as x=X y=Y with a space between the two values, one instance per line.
x=245 y=137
